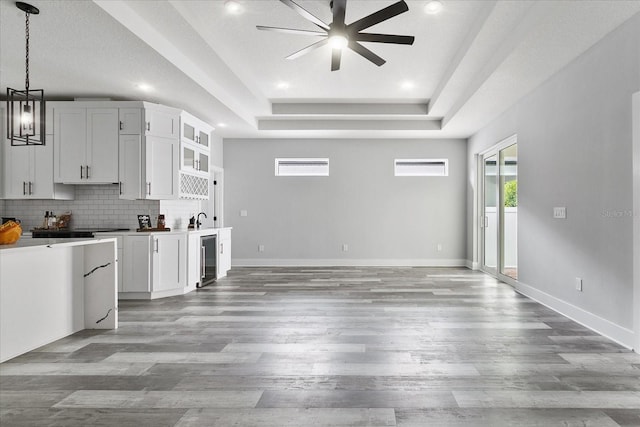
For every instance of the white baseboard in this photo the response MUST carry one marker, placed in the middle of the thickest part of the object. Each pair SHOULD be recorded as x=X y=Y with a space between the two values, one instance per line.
x=617 y=333
x=471 y=265
x=247 y=262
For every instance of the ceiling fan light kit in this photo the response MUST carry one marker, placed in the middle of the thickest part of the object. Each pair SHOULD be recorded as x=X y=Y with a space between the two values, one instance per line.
x=26 y=108
x=340 y=35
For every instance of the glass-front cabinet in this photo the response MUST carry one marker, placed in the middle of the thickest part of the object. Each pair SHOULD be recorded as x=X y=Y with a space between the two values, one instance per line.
x=194 y=130
x=193 y=159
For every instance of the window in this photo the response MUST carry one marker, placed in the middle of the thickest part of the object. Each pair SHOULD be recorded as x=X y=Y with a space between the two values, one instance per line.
x=421 y=167
x=302 y=167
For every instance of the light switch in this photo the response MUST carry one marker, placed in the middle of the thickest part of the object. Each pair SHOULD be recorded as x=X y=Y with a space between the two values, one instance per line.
x=243 y=212
x=560 y=212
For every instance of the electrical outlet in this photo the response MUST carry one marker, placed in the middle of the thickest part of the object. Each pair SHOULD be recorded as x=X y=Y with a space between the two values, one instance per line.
x=260 y=248
x=243 y=212
x=439 y=247
x=578 y=284
x=560 y=212
x=345 y=247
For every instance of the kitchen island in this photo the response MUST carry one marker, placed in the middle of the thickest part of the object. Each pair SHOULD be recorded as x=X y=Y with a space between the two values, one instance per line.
x=52 y=288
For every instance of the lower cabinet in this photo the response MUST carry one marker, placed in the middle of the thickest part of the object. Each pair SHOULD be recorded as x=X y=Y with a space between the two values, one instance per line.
x=154 y=266
x=224 y=251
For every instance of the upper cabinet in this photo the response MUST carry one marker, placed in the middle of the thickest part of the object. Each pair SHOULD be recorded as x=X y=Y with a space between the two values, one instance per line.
x=149 y=153
x=85 y=145
x=194 y=130
x=27 y=172
x=195 y=136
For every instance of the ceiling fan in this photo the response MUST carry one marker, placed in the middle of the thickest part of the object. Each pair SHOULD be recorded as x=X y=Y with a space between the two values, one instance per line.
x=339 y=35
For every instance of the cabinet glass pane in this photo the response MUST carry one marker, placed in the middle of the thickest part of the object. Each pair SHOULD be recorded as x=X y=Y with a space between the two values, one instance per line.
x=204 y=139
x=188 y=158
x=204 y=162
x=189 y=132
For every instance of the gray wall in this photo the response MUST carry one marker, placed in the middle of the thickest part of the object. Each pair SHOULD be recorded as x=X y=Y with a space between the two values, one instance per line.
x=385 y=220
x=575 y=150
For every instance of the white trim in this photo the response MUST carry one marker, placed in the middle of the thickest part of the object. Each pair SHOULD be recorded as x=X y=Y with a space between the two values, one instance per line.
x=301 y=262
x=471 y=265
x=617 y=333
x=636 y=219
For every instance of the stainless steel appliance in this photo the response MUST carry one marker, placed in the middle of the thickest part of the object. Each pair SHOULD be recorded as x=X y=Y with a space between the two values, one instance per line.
x=208 y=261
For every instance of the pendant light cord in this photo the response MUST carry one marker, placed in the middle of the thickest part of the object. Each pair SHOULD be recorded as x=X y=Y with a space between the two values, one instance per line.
x=27 y=50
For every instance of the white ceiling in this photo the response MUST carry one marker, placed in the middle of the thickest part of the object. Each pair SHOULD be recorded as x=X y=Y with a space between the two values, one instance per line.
x=468 y=64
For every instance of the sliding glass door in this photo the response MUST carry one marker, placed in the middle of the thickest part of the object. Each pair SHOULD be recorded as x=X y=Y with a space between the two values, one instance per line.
x=499 y=216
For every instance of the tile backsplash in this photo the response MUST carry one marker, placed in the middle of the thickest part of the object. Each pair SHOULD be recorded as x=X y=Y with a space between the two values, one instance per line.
x=94 y=206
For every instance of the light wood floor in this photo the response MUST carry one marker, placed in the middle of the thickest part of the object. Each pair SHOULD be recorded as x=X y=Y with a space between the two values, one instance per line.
x=336 y=347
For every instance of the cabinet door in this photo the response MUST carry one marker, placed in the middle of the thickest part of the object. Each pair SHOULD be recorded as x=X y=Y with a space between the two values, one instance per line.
x=42 y=172
x=188 y=159
x=203 y=138
x=168 y=252
x=136 y=264
x=193 y=260
x=203 y=162
x=102 y=145
x=70 y=141
x=161 y=123
x=17 y=173
x=130 y=121
x=188 y=132
x=130 y=167
x=224 y=252
x=161 y=168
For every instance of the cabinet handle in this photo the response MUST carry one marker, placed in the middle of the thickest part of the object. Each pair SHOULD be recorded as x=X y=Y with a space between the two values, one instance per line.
x=30 y=187
x=81 y=171
x=24 y=188
x=87 y=171
x=121 y=125
x=157 y=244
x=203 y=255
x=221 y=248
x=149 y=188
x=120 y=187
x=148 y=126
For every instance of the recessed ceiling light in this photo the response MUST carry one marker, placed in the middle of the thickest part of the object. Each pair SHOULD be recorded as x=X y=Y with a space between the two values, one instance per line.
x=433 y=7
x=407 y=84
x=233 y=7
x=222 y=125
x=144 y=87
x=282 y=85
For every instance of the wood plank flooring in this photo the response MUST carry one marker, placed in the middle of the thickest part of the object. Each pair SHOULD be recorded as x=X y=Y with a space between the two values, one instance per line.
x=330 y=347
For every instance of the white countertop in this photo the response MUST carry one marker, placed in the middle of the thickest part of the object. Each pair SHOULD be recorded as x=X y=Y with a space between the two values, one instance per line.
x=30 y=243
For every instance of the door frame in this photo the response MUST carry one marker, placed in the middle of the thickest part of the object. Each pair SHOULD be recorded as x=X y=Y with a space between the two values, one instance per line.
x=493 y=150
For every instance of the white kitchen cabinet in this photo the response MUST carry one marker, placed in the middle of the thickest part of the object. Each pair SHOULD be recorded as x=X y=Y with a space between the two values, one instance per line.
x=28 y=173
x=85 y=145
x=148 y=168
x=224 y=251
x=154 y=265
x=130 y=121
x=161 y=171
x=194 y=130
x=130 y=169
x=161 y=122
x=193 y=259
x=194 y=160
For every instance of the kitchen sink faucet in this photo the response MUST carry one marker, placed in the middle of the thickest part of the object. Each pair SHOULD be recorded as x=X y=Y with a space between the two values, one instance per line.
x=198 y=223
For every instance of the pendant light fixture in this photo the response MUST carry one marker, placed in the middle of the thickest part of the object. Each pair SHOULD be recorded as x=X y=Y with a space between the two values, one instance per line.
x=25 y=108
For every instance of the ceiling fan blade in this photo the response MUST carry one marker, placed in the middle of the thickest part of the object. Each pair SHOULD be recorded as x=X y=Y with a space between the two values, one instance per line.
x=306 y=14
x=383 y=38
x=291 y=31
x=338 y=7
x=336 y=55
x=308 y=49
x=377 y=17
x=366 y=53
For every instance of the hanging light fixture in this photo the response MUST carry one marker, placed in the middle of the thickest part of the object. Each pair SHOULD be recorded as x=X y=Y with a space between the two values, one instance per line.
x=25 y=108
